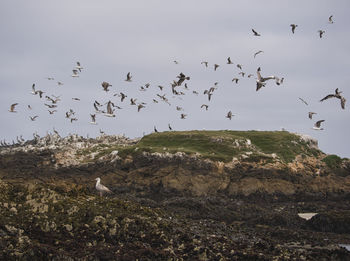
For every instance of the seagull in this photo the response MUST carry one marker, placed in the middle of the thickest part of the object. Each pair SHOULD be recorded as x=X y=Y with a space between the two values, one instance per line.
x=51 y=106
x=330 y=20
x=105 y=86
x=183 y=116
x=229 y=115
x=33 y=90
x=317 y=125
x=310 y=114
x=195 y=92
x=242 y=73
x=229 y=60
x=101 y=188
x=50 y=78
x=140 y=106
x=160 y=87
x=258 y=53
x=52 y=112
x=182 y=78
x=73 y=119
x=12 y=108
x=93 y=119
x=239 y=66
x=176 y=62
x=40 y=93
x=155 y=129
x=205 y=63
x=303 y=101
x=255 y=33
x=321 y=32
x=128 y=77
x=261 y=81
x=76 y=99
x=59 y=83
x=78 y=66
x=216 y=66
x=169 y=127
x=34 y=117
x=29 y=107
x=293 y=27
x=75 y=73
x=205 y=106
x=235 y=80
x=133 y=101
x=336 y=95
x=110 y=111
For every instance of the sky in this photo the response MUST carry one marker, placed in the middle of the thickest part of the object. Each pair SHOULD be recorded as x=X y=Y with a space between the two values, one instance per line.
x=41 y=39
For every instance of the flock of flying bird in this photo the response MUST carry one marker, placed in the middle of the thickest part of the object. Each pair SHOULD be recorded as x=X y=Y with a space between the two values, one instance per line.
x=178 y=88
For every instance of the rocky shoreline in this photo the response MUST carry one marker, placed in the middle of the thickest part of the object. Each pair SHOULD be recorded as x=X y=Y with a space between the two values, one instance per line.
x=167 y=205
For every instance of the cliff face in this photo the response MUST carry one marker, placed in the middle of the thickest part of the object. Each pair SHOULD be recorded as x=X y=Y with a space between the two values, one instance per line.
x=176 y=195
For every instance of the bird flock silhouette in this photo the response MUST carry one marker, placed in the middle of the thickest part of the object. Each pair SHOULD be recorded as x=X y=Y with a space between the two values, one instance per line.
x=179 y=87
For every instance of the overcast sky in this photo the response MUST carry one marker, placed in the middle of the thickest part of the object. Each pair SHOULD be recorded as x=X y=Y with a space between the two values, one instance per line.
x=41 y=39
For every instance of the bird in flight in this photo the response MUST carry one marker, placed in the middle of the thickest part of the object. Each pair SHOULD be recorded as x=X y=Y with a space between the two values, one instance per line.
x=317 y=125
x=75 y=73
x=330 y=19
x=12 y=107
x=216 y=66
x=169 y=127
x=105 y=86
x=93 y=119
x=183 y=116
x=293 y=27
x=235 y=80
x=303 y=101
x=33 y=118
x=261 y=81
x=229 y=115
x=255 y=33
x=229 y=60
x=78 y=66
x=321 y=32
x=337 y=95
x=311 y=114
x=205 y=106
x=128 y=77
x=205 y=63
x=255 y=54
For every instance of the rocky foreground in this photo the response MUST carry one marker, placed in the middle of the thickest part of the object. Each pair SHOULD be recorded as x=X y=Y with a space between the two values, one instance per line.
x=176 y=196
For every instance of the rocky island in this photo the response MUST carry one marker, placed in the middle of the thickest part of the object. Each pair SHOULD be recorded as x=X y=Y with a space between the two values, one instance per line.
x=179 y=195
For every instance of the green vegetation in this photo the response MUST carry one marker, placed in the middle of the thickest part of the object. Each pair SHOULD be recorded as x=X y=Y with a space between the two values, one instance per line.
x=216 y=145
x=333 y=161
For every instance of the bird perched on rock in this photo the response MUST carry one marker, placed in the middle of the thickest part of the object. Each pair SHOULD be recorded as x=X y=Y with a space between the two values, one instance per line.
x=338 y=96
x=155 y=129
x=101 y=188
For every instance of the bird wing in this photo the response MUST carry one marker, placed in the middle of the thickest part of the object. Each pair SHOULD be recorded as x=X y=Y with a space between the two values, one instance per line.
x=327 y=97
x=342 y=102
x=318 y=123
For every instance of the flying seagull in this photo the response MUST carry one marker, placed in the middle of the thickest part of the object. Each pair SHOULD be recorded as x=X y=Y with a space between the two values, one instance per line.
x=155 y=129
x=310 y=114
x=229 y=60
x=33 y=118
x=255 y=33
x=321 y=32
x=205 y=106
x=12 y=107
x=235 y=80
x=110 y=111
x=330 y=20
x=336 y=95
x=128 y=77
x=105 y=86
x=169 y=127
x=78 y=66
x=216 y=66
x=258 y=53
x=183 y=116
x=93 y=119
x=261 y=81
x=293 y=27
x=229 y=115
x=75 y=73
x=303 y=101
x=205 y=63
x=101 y=188
x=317 y=125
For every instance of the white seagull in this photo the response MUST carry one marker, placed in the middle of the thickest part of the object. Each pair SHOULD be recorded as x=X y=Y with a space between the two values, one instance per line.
x=317 y=125
x=101 y=188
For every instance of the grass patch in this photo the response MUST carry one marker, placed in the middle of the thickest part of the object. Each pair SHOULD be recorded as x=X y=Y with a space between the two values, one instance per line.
x=333 y=161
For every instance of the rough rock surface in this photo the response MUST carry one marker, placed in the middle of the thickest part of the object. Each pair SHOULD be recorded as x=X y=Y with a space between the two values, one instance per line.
x=168 y=205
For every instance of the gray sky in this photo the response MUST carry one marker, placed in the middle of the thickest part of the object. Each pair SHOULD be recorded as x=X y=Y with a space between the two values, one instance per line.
x=42 y=39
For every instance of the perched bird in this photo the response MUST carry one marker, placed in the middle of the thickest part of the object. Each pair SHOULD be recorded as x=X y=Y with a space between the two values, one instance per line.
x=255 y=54
x=293 y=27
x=255 y=33
x=93 y=119
x=317 y=125
x=229 y=115
x=330 y=19
x=310 y=114
x=303 y=101
x=321 y=32
x=338 y=96
x=105 y=86
x=78 y=66
x=205 y=63
x=75 y=73
x=169 y=127
x=205 y=106
x=12 y=107
x=216 y=66
x=101 y=188
x=128 y=77
x=229 y=61
x=33 y=118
